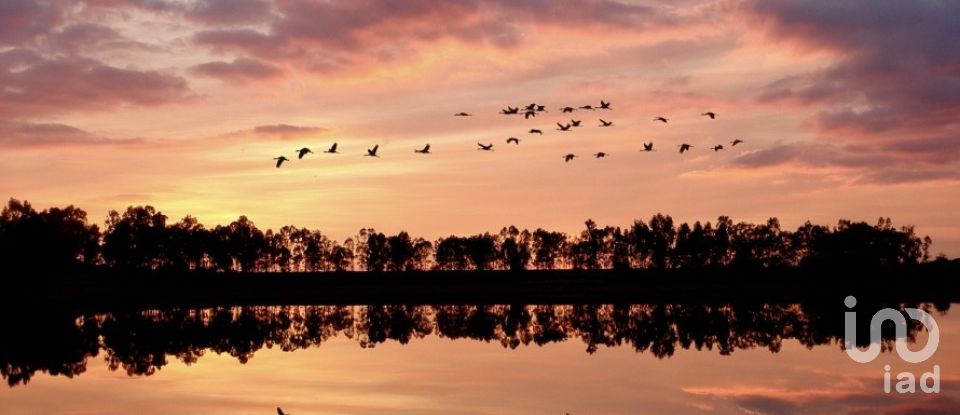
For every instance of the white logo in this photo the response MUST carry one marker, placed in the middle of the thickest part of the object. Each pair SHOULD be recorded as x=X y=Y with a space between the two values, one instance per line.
x=906 y=380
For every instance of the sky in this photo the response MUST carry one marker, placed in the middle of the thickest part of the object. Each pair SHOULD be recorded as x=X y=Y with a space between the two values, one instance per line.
x=847 y=110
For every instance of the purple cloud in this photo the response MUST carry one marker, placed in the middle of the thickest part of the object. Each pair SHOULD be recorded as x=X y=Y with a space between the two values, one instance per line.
x=241 y=69
x=898 y=70
x=68 y=84
x=286 y=130
x=26 y=134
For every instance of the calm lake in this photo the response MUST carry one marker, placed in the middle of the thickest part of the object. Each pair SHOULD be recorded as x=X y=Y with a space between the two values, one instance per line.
x=466 y=359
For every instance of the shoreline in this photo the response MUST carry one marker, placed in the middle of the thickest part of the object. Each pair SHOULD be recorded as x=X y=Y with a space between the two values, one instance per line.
x=109 y=289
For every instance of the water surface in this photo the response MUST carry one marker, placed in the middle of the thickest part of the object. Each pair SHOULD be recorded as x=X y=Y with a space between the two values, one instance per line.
x=460 y=359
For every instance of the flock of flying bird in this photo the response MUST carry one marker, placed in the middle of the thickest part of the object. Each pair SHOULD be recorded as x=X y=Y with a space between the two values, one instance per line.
x=528 y=112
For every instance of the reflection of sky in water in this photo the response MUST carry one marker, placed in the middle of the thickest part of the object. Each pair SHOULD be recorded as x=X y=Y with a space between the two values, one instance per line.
x=436 y=375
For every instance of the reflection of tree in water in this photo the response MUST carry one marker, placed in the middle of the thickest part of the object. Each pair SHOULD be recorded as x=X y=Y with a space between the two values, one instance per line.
x=142 y=342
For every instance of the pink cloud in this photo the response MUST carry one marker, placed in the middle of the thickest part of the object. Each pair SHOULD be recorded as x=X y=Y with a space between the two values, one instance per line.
x=326 y=35
x=897 y=69
x=240 y=69
x=68 y=84
x=90 y=37
x=285 y=130
x=892 y=93
x=24 y=21
x=27 y=134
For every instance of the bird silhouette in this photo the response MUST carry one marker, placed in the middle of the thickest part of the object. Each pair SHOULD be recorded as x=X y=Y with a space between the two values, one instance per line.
x=605 y=123
x=510 y=110
x=333 y=149
x=587 y=107
x=563 y=127
x=735 y=142
x=568 y=109
x=568 y=157
x=372 y=152
x=541 y=108
x=280 y=160
x=718 y=147
x=424 y=150
x=461 y=114
x=536 y=131
x=661 y=119
x=600 y=155
x=280 y=412
x=648 y=146
x=302 y=152
x=604 y=105
x=684 y=147
x=575 y=123
x=531 y=107
x=488 y=147
x=710 y=114
x=529 y=113
x=513 y=140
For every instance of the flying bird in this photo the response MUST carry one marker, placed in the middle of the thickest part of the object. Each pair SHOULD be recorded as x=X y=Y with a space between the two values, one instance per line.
x=587 y=107
x=563 y=127
x=661 y=119
x=568 y=109
x=280 y=160
x=461 y=114
x=513 y=140
x=531 y=107
x=735 y=142
x=510 y=110
x=604 y=105
x=280 y=412
x=600 y=155
x=488 y=147
x=529 y=113
x=302 y=152
x=541 y=108
x=568 y=157
x=333 y=149
x=648 y=146
x=424 y=150
x=718 y=147
x=710 y=114
x=575 y=123
x=684 y=147
x=372 y=152
x=605 y=123
x=536 y=131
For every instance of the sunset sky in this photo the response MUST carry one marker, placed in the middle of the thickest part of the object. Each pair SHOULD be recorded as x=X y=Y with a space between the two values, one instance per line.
x=847 y=109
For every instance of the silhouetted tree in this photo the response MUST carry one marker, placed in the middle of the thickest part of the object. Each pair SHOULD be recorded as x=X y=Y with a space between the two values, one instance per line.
x=482 y=250
x=550 y=249
x=593 y=250
x=514 y=248
x=137 y=238
x=451 y=254
x=406 y=254
x=54 y=238
x=187 y=244
x=341 y=256
x=374 y=253
x=242 y=245
x=659 y=240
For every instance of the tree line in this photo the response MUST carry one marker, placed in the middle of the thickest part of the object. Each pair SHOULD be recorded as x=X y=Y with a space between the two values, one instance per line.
x=142 y=237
